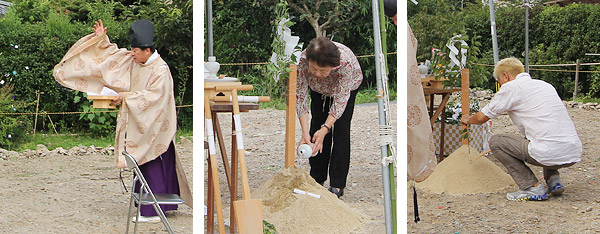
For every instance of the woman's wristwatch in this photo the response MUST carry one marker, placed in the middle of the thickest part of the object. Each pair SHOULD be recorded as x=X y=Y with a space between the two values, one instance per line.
x=328 y=128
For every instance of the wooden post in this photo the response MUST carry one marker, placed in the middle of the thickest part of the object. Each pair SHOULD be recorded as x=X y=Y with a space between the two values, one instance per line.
x=576 y=80
x=290 y=118
x=464 y=73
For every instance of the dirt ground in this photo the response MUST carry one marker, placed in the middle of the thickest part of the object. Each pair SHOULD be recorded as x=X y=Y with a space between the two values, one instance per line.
x=75 y=194
x=576 y=211
x=264 y=139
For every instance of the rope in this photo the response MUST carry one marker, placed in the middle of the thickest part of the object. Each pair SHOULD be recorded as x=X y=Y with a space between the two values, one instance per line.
x=74 y=112
x=265 y=63
x=550 y=65
x=387 y=135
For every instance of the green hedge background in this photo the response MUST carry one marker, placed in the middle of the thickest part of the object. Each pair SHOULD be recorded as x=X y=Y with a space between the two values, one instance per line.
x=557 y=35
x=243 y=33
x=43 y=31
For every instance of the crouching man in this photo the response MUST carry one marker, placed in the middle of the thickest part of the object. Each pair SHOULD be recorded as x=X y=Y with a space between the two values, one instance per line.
x=550 y=139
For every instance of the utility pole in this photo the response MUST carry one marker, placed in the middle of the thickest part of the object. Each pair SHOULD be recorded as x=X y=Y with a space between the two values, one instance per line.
x=494 y=38
x=527 y=36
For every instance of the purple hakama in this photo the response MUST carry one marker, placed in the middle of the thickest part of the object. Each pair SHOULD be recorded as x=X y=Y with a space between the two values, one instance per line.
x=161 y=175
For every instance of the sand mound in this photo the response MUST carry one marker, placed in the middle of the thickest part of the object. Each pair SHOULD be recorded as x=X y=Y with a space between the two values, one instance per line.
x=456 y=175
x=292 y=213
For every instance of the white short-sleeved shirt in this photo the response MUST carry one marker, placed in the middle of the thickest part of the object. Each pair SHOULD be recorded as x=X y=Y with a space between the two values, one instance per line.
x=536 y=109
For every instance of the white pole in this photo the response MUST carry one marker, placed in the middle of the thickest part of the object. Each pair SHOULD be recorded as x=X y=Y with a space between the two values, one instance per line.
x=380 y=70
x=494 y=38
x=209 y=29
x=527 y=36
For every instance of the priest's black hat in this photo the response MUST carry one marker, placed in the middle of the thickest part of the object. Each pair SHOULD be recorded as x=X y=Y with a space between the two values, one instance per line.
x=141 y=33
x=389 y=7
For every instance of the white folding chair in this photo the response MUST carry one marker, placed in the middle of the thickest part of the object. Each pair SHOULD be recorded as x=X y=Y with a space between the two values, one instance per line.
x=146 y=197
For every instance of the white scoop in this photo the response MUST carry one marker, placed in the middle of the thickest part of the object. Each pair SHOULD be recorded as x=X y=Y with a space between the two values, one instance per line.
x=305 y=151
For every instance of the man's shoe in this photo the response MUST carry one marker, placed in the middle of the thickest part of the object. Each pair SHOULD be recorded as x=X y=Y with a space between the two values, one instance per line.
x=537 y=193
x=147 y=219
x=337 y=191
x=554 y=186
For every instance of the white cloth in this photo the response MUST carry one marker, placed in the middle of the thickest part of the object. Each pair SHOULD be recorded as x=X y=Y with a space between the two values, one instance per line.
x=535 y=107
x=152 y=57
x=420 y=147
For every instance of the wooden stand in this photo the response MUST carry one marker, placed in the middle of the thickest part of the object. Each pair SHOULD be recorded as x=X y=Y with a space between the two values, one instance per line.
x=213 y=179
x=440 y=110
x=226 y=104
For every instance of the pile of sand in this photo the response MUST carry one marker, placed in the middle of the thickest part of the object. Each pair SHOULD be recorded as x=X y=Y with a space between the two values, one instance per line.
x=456 y=175
x=292 y=213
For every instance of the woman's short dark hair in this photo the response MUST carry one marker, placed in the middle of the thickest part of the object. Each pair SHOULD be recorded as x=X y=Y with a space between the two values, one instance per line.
x=323 y=51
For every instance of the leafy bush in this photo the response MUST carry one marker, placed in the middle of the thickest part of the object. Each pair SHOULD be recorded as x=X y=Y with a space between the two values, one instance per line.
x=12 y=127
x=44 y=30
x=557 y=35
x=245 y=36
x=100 y=122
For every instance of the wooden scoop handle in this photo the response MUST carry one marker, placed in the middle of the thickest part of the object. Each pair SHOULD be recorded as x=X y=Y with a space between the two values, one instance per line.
x=479 y=156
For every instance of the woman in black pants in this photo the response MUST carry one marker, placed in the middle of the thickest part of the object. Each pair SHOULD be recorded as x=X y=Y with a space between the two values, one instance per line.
x=333 y=74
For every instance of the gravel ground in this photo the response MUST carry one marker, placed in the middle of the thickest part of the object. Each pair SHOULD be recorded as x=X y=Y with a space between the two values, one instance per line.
x=576 y=211
x=73 y=193
x=264 y=139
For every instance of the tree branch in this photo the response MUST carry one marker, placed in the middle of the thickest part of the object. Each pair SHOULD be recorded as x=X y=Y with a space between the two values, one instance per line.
x=296 y=7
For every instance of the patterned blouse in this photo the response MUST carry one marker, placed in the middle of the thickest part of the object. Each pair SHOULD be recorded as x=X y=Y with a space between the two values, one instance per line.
x=344 y=78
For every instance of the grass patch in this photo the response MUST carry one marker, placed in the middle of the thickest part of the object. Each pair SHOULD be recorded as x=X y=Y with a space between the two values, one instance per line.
x=188 y=133
x=66 y=141
x=585 y=99
x=366 y=95
x=275 y=103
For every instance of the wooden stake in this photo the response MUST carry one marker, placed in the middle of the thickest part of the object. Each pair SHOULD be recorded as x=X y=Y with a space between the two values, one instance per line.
x=52 y=123
x=213 y=171
x=248 y=211
x=290 y=118
x=37 y=104
x=465 y=97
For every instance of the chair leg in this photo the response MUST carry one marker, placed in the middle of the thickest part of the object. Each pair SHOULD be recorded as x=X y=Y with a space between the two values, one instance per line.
x=129 y=213
x=163 y=217
x=137 y=219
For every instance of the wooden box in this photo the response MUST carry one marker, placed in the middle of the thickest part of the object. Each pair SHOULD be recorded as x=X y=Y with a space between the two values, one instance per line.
x=102 y=102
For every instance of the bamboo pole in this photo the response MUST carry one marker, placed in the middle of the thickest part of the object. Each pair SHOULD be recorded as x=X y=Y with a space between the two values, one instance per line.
x=464 y=73
x=37 y=104
x=290 y=118
x=576 y=80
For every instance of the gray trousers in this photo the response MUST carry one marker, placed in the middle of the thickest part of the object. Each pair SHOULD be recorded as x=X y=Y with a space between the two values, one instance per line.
x=512 y=152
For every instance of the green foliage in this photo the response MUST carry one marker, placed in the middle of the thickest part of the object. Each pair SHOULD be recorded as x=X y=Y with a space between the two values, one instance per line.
x=574 y=31
x=557 y=35
x=268 y=228
x=13 y=128
x=242 y=36
x=276 y=74
x=100 y=123
x=66 y=141
x=41 y=45
x=324 y=15
x=454 y=109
